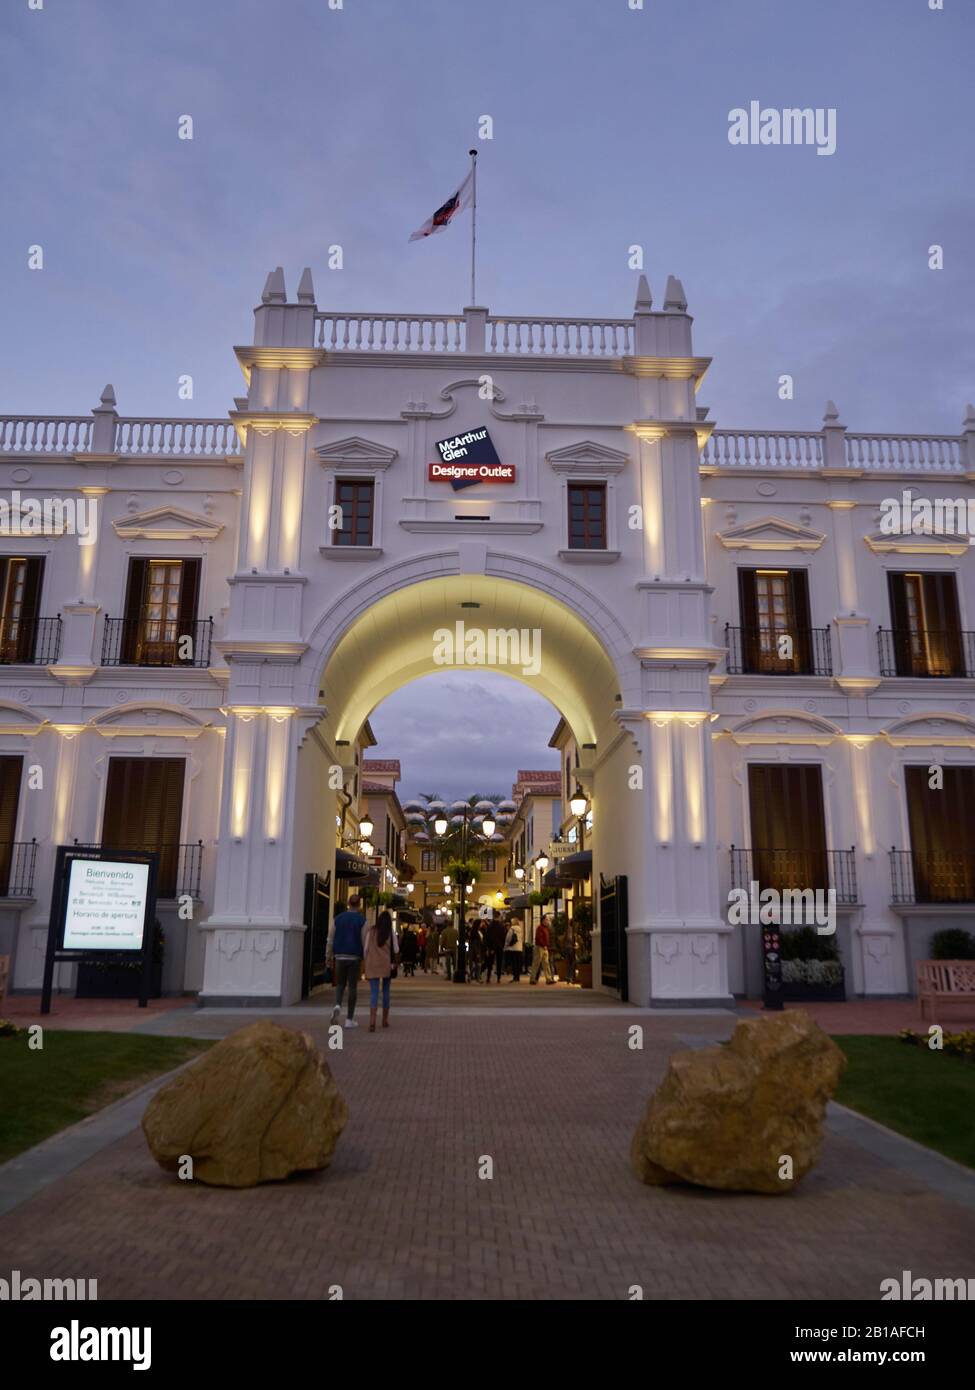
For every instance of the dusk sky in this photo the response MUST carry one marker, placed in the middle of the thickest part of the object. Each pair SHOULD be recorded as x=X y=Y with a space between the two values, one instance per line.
x=315 y=126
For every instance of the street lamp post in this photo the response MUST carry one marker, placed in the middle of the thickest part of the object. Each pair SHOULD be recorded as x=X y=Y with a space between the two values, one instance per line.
x=465 y=813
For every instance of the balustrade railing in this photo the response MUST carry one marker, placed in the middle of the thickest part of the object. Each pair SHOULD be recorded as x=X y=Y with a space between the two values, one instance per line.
x=904 y=453
x=920 y=877
x=156 y=642
x=176 y=438
x=17 y=861
x=796 y=870
x=547 y=337
x=50 y=434
x=926 y=652
x=762 y=651
x=390 y=332
x=30 y=641
x=763 y=449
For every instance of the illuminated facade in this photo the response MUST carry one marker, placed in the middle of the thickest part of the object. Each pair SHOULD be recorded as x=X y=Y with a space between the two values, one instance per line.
x=758 y=676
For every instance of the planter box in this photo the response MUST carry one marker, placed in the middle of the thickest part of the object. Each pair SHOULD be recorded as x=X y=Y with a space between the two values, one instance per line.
x=560 y=968
x=116 y=982
x=798 y=993
x=584 y=975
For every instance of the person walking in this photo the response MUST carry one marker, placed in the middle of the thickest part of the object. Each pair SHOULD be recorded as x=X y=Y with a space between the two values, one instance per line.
x=540 y=956
x=380 y=958
x=495 y=938
x=515 y=946
x=433 y=949
x=475 y=949
x=408 y=951
x=448 y=944
x=421 y=947
x=343 y=954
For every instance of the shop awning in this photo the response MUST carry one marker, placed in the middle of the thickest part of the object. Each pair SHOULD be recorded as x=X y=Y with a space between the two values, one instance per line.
x=555 y=878
x=576 y=866
x=517 y=902
x=348 y=865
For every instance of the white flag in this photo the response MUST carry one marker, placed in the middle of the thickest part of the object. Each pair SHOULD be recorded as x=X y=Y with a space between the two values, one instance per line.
x=446 y=214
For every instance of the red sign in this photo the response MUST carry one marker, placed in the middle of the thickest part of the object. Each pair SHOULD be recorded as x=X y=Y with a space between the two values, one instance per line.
x=471 y=473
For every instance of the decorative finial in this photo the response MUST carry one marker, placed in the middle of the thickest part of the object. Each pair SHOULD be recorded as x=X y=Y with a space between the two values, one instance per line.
x=675 y=299
x=644 y=299
x=306 y=290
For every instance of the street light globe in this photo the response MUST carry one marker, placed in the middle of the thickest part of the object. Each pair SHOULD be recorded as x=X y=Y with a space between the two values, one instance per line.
x=365 y=827
x=440 y=825
x=519 y=873
x=409 y=887
x=542 y=862
x=446 y=880
x=578 y=802
x=366 y=848
x=488 y=826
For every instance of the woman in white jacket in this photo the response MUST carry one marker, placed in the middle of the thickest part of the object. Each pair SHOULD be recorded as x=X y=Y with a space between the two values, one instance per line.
x=515 y=946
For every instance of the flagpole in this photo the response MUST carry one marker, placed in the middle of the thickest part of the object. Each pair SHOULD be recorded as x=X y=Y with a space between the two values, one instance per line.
x=473 y=155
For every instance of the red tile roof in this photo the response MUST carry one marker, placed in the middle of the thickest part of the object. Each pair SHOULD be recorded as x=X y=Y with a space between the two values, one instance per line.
x=381 y=765
x=546 y=776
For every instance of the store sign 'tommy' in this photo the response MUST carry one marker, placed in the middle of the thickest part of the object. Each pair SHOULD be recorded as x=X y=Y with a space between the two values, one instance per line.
x=467 y=459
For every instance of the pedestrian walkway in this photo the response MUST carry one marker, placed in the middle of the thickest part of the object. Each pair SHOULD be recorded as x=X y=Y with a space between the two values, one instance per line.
x=545 y=1101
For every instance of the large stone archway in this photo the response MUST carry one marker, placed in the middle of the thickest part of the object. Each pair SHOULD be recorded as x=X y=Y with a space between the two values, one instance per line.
x=647 y=770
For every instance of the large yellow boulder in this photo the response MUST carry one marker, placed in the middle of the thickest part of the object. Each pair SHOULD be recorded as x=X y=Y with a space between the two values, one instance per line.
x=258 y=1106
x=746 y=1117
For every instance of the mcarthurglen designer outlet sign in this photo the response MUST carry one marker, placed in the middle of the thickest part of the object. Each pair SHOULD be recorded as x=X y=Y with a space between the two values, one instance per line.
x=467 y=459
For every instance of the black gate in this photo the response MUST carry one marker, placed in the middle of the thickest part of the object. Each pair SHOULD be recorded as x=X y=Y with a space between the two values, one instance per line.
x=318 y=898
x=612 y=934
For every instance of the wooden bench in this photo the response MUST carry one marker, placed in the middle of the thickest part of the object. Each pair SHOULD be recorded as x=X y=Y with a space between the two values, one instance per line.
x=945 y=982
x=4 y=980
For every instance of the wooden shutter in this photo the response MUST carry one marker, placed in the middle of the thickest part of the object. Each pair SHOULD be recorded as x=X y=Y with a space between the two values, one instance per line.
x=189 y=596
x=799 y=584
x=748 y=606
x=27 y=628
x=788 y=826
x=941 y=616
x=940 y=822
x=11 y=771
x=144 y=809
x=135 y=592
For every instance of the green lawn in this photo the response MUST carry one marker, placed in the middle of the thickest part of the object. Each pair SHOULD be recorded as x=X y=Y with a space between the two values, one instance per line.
x=73 y=1075
x=926 y=1095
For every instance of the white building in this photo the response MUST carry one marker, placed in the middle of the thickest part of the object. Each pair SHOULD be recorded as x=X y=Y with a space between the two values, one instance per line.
x=644 y=565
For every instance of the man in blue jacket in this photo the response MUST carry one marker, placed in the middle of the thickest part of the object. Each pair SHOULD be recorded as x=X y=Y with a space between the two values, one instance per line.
x=344 y=954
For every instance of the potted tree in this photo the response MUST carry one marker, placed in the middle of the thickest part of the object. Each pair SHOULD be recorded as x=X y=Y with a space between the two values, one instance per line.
x=122 y=979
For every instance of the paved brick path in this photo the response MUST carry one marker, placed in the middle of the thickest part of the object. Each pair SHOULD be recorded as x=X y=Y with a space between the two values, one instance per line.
x=553 y=1098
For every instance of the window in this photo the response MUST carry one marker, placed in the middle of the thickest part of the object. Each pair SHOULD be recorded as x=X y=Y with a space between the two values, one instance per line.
x=587 y=516
x=160 y=626
x=775 y=604
x=490 y=862
x=788 y=825
x=428 y=861
x=926 y=636
x=940 y=822
x=356 y=498
x=20 y=589
x=144 y=809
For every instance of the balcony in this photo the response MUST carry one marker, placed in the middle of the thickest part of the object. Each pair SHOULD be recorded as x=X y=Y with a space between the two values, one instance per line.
x=30 y=641
x=755 y=651
x=931 y=878
x=17 y=860
x=156 y=642
x=454 y=333
x=793 y=869
x=927 y=652
x=180 y=866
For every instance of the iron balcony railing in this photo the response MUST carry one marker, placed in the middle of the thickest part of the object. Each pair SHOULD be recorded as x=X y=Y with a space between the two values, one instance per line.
x=17 y=861
x=30 y=641
x=783 y=869
x=926 y=652
x=156 y=642
x=762 y=651
x=920 y=877
x=180 y=866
